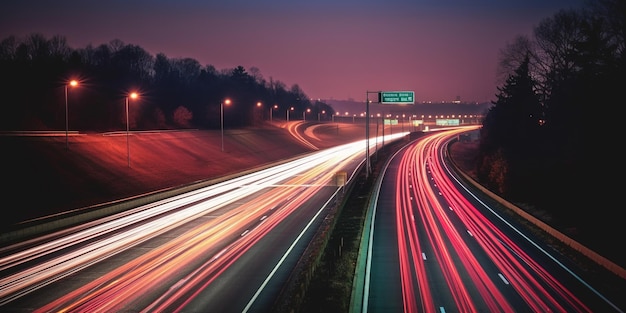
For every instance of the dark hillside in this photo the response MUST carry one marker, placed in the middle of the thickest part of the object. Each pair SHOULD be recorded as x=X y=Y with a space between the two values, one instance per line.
x=42 y=177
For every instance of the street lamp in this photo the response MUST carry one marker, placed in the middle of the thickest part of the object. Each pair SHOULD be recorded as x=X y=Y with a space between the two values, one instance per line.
x=319 y=115
x=290 y=109
x=304 y=114
x=227 y=102
x=72 y=83
x=132 y=95
x=272 y=112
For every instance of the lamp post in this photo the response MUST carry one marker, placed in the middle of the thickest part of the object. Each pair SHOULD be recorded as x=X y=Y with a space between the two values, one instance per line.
x=320 y=114
x=290 y=109
x=227 y=102
x=304 y=114
x=132 y=95
x=72 y=83
x=272 y=111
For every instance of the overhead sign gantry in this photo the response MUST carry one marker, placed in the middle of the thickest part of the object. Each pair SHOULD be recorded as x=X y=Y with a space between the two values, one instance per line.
x=384 y=97
x=396 y=97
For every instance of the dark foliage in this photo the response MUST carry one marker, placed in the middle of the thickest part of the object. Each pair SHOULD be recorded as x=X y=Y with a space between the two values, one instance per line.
x=540 y=145
x=509 y=133
x=173 y=93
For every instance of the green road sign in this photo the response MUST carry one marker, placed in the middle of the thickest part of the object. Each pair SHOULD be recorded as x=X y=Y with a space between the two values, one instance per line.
x=396 y=97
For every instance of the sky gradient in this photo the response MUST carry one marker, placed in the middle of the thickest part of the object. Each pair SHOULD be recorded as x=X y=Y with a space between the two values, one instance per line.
x=441 y=49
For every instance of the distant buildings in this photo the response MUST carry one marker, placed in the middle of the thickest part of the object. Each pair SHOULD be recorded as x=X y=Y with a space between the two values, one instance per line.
x=447 y=109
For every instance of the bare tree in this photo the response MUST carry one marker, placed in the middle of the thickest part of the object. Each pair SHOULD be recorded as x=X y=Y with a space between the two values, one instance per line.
x=255 y=73
x=188 y=69
x=8 y=48
x=116 y=45
x=512 y=56
x=557 y=41
x=59 y=48
x=613 y=13
x=36 y=47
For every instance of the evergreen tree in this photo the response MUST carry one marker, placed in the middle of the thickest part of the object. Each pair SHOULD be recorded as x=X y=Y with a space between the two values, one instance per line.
x=510 y=131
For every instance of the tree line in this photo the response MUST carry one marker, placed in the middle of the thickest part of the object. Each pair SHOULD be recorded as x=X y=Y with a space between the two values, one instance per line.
x=173 y=92
x=540 y=141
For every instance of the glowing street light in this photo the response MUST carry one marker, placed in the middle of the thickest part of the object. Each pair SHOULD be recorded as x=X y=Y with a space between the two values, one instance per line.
x=227 y=102
x=290 y=109
x=71 y=83
x=259 y=104
x=132 y=95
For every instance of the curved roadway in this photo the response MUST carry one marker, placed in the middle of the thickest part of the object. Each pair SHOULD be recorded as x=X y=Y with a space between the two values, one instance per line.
x=435 y=246
x=229 y=247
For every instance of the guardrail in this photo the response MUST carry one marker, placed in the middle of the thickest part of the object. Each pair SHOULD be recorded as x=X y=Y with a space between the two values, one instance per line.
x=592 y=255
x=358 y=287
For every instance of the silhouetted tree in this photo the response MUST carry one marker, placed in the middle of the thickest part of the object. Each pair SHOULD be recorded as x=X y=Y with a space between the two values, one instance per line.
x=510 y=131
x=512 y=56
x=36 y=69
x=577 y=61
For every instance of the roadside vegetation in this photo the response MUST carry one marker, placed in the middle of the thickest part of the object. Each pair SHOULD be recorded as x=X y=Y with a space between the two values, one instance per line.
x=173 y=93
x=540 y=141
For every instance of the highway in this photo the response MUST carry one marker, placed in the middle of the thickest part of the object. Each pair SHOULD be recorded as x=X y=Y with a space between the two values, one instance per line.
x=435 y=245
x=228 y=247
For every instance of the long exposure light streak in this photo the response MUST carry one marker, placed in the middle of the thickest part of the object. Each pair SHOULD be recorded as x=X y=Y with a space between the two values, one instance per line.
x=225 y=238
x=428 y=212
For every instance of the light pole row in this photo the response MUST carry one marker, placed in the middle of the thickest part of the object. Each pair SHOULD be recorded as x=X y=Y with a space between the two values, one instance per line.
x=135 y=95
x=74 y=83
x=272 y=108
x=227 y=102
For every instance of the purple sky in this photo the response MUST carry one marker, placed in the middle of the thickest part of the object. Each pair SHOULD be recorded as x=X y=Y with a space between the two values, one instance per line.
x=335 y=49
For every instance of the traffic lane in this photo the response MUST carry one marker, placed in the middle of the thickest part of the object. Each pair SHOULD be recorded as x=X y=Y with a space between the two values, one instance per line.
x=81 y=247
x=391 y=243
x=254 y=282
x=441 y=270
x=539 y=289
x=437 y=225
x=99 y=270
x=538 y=246
x=312 y=177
